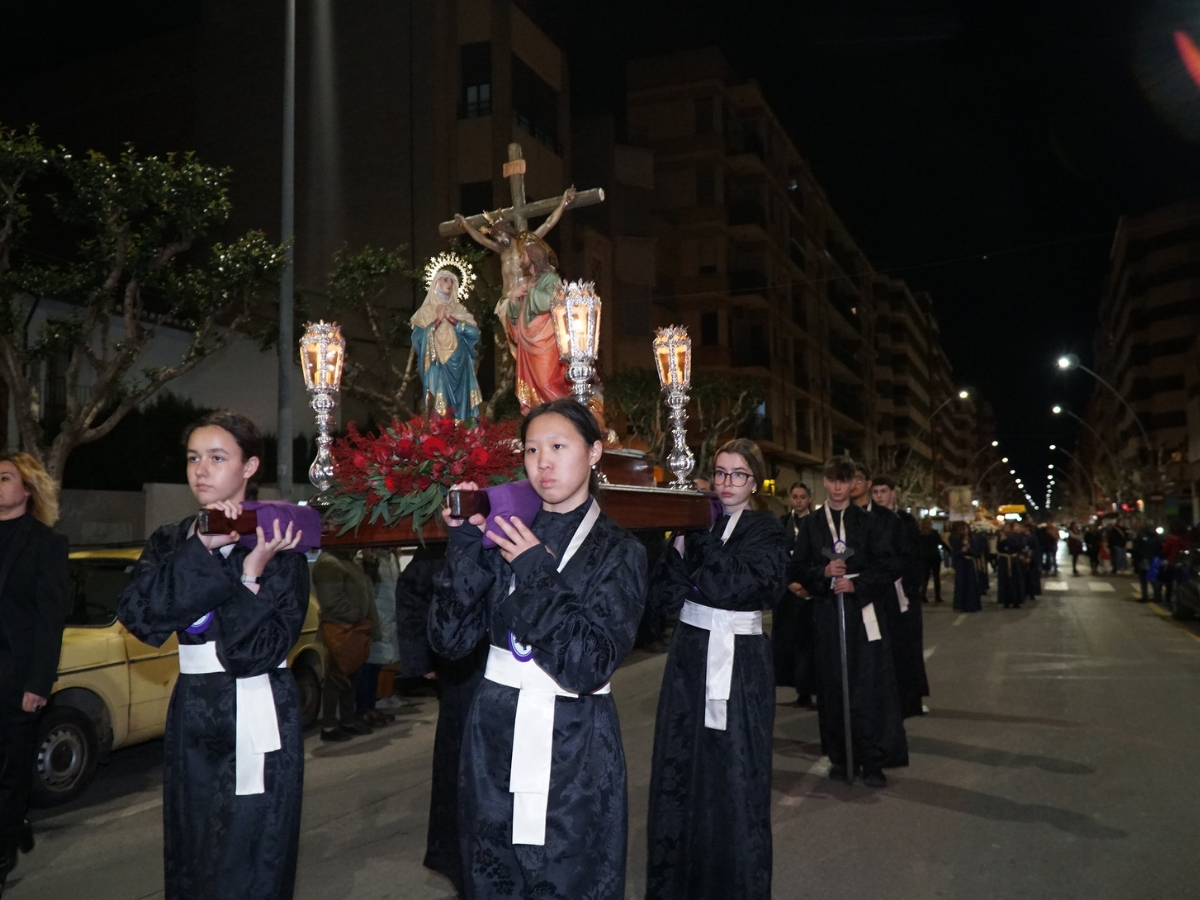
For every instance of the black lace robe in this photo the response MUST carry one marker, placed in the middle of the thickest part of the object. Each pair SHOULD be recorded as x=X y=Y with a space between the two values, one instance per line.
x=877 y=728
x=217 y=844
x=581 y=623
x=709 y=831
x=457 y=681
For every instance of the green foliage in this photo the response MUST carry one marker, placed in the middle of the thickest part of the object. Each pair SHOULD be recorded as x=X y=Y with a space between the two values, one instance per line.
x=134 y=264
x=637 y=394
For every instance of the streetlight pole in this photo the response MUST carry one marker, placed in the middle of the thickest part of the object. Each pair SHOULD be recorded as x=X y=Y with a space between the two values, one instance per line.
x=1083 y=470
x=287 y=227
x=1057 y=410
x=1071 y=361
x=961 y=395
x=992 y=446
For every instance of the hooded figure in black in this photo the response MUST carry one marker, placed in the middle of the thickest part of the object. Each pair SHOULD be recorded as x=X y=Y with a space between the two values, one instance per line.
x=560 y=600
x=231 y=824
x=877 y=728
x=456 y=680
x=907 y=631
x=709 y=831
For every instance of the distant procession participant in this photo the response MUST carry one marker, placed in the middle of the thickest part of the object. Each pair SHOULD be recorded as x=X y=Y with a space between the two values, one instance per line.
x=908 y=641
x=33 y=605
x=966 y=572
x=233 y=765
x=792 y=621
x=709 y=831
x=542 y=786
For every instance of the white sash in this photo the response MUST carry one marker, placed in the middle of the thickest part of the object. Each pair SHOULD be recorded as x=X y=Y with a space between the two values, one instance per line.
x=721 y=625
x=870 y=621
x=533 y=725
x=257 y=731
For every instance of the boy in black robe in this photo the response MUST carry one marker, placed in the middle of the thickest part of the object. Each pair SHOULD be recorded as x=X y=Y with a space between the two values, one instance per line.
x=877 y=729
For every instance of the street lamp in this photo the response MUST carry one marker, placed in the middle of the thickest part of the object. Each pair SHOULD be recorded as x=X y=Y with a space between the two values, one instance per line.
x=1059 y=410
x=962 y=395
x=1080 y=467
x=1071 y=361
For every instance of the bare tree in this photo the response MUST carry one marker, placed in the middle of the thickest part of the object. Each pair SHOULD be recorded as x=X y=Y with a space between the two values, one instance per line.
x=125 y=232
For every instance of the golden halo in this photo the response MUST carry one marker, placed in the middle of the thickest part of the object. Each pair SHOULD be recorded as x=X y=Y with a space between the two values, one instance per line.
x=466 y=272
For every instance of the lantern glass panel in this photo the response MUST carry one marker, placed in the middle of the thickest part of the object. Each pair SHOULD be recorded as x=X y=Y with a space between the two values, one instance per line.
x=562 y=334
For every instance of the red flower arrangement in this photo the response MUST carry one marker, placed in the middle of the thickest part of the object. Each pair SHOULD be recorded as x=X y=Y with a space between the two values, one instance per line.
x=408 y=467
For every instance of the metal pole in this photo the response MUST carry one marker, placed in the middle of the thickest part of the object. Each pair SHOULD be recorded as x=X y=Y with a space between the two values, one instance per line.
x=1132 y=411
x=921 y=431
x=287 y=228
x=1100 y=440
x=841 y=601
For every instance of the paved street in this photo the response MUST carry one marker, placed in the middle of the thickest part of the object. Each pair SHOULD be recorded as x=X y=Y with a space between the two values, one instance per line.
x=1059 y=762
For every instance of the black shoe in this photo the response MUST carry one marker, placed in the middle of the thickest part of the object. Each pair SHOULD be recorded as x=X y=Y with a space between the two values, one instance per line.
x=357 y=728
x=804 y=701
x=873 y=777
x=335 y=734
x=25 y=837
x=837 y=773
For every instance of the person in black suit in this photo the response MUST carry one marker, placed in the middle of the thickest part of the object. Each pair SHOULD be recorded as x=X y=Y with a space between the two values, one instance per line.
x=33 y=605
x=792 y=621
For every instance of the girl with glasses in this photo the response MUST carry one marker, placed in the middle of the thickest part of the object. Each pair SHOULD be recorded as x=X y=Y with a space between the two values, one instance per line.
x=709 y=831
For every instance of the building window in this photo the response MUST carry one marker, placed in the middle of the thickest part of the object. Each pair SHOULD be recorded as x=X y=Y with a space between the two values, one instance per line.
x=475 y=68
x=535 y=105
x=704 y=115
x=705 y=187
x=474 y=197
x=706 y=258
x=710 y=335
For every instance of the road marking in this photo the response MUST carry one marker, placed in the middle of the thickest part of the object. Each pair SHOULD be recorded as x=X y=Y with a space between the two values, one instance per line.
x=929 y=652
x=124 y=813
x=1055 y=585
x=1166 y=615
x=819 y=769
x=962 y=617
x=1101 y=587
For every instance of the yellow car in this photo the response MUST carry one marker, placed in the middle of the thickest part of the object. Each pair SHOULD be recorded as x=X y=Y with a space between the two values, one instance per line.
x=113 y=690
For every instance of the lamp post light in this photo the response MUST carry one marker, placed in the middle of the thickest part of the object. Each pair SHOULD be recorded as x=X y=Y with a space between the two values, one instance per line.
x=1079 y=465
x=575 y=311
x=961 y=395
x=673 y=359
x=1058 y=409
x=1071 y=361
x=322 y=357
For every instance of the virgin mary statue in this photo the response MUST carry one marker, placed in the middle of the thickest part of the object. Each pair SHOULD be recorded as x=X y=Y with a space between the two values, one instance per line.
x=444 y=338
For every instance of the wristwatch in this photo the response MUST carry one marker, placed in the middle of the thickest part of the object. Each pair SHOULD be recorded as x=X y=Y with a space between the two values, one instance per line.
x=250 y=579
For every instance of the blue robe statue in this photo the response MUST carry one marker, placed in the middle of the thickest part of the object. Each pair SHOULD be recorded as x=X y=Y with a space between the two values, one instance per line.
x=444 y=338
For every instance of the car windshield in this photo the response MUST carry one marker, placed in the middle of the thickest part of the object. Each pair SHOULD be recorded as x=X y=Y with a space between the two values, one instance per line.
x=96 y=586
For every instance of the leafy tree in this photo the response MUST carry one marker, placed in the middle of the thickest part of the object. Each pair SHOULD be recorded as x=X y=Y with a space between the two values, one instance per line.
x=720 y=407
x=131 y=229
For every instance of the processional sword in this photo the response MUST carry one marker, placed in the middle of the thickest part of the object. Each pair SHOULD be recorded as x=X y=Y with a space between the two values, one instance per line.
x=842 y=552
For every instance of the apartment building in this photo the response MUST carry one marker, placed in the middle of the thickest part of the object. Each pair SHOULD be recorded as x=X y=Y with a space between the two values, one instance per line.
x=1145 y=348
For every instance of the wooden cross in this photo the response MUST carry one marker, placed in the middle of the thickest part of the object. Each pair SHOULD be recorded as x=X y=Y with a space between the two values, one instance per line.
x=520 y=212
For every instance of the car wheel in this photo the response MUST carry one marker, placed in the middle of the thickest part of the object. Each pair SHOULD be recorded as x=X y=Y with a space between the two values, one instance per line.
x=308 y=685
x=67 y=752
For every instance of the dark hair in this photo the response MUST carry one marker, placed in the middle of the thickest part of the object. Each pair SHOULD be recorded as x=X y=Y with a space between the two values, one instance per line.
x=747 y=450
x=864 y=468
x=839 y=468
x=886 y=480
x=800 y=484
x=244 y=432
x=581 y=420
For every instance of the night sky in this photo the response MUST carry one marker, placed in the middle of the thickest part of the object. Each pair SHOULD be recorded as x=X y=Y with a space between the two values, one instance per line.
x=982 y=150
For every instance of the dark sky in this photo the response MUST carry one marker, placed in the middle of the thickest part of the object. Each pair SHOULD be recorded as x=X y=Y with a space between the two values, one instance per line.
x=981 y=150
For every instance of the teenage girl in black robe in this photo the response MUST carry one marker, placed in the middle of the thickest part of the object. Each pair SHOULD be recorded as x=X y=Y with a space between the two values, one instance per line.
x=218 y=843
x=709 y=831
x=575 y=626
